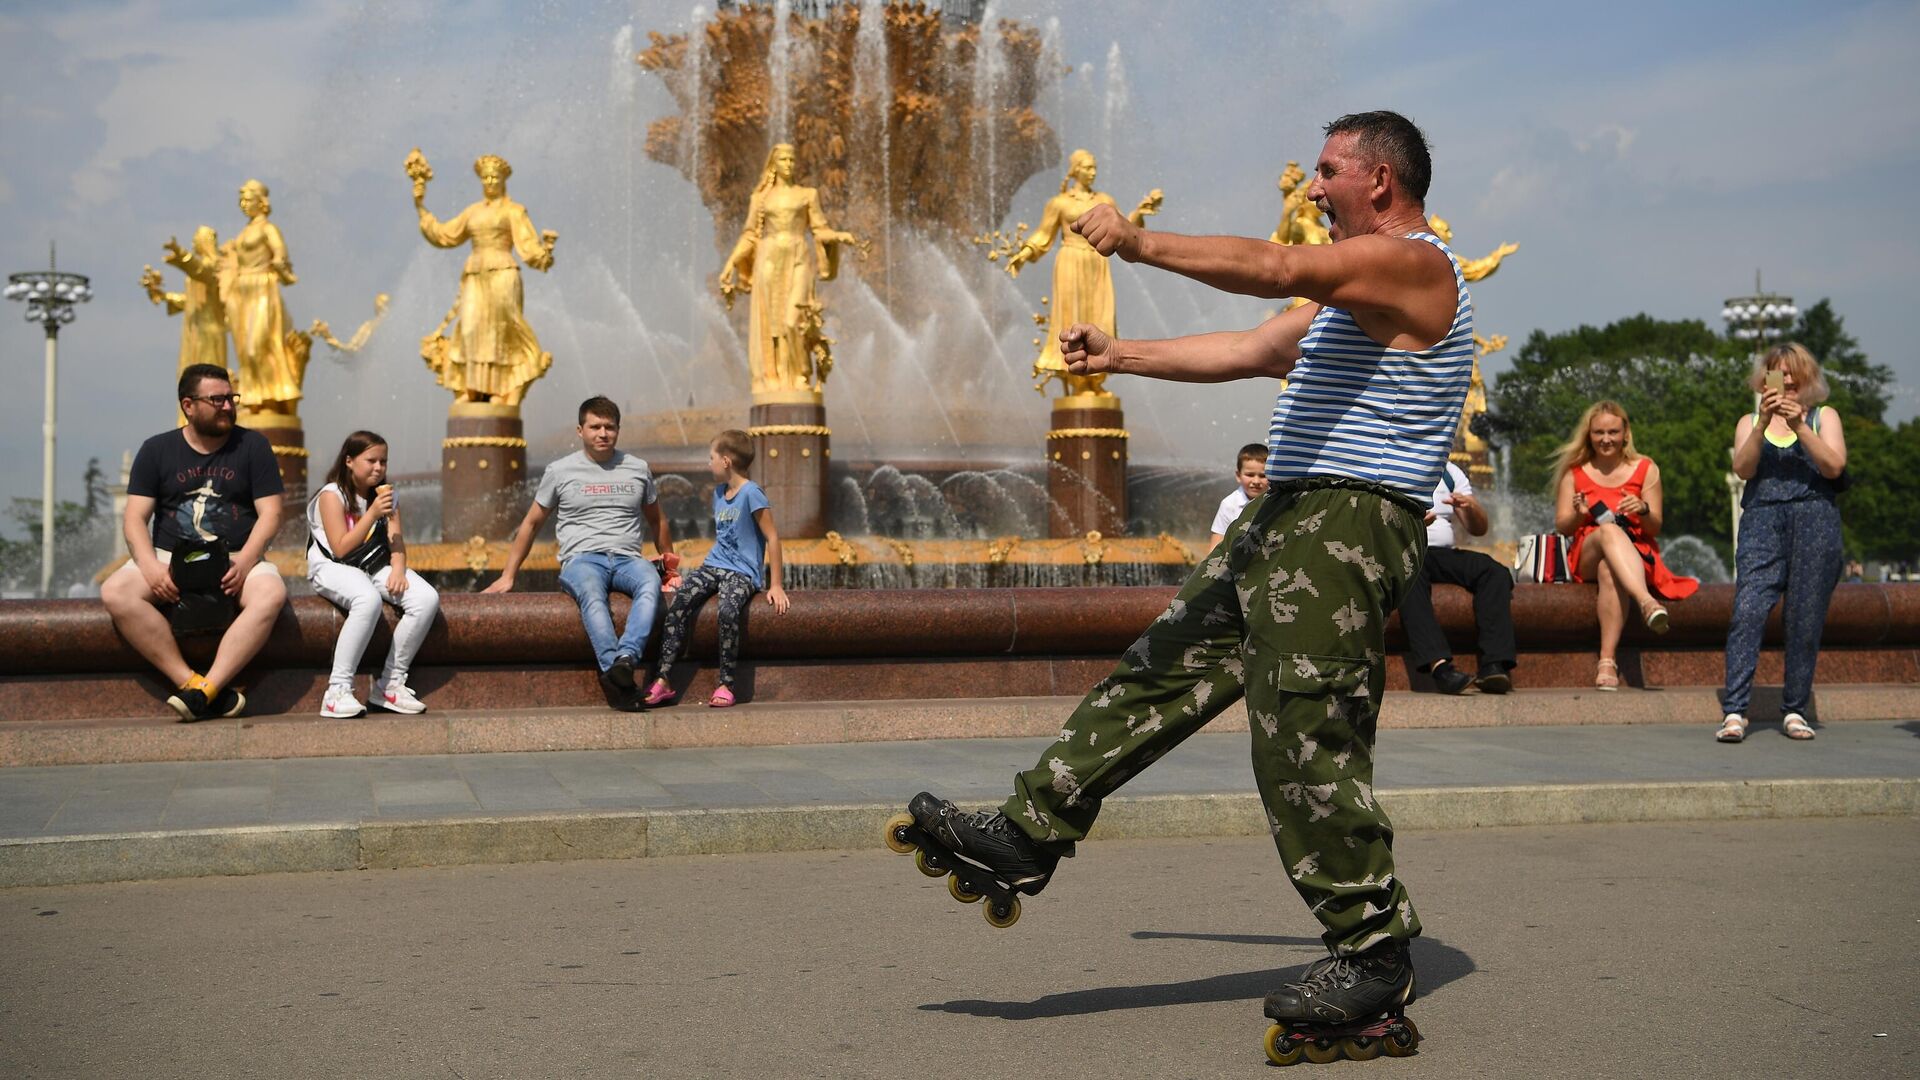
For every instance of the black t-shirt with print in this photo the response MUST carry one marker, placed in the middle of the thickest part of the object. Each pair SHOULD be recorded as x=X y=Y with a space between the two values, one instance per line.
x=204 y=495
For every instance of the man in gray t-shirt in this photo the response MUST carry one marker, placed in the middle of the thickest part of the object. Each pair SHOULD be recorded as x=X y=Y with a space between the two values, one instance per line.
x=597 y=498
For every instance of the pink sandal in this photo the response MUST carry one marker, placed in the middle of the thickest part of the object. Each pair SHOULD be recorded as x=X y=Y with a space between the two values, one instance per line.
x=1606 y=676
x=659 y=693
x=721 y=698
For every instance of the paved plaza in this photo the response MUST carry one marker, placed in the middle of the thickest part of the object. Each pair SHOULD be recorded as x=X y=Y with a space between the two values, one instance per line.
x=1733 y=949
x=111 y=799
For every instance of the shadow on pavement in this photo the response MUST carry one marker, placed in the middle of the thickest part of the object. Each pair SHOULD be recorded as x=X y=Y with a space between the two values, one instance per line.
x=1911 y=727
x=1436 y=962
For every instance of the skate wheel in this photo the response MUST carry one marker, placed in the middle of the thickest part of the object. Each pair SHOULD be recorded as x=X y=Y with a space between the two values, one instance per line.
x=960 y=892
x=1280 y=1049
x=1399 y=1042
x=929 y=864
x=1362 y=1048
x=896 y=834
x=1321 y=1053
x=1000 y=916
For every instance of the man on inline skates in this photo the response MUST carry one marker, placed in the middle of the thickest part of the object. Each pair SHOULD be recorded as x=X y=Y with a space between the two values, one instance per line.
x=1289 y=610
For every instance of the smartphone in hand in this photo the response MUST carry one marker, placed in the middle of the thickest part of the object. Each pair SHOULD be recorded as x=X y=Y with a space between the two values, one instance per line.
x=1777 y=381
x=1600 y=512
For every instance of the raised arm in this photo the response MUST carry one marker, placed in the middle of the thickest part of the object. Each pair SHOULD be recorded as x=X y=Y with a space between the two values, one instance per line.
x=1410 y=281
x=535 y=248
x=1652 y=516
x=151 y=281
x=1827 y=446
x=442 y=234
x=1266 y=351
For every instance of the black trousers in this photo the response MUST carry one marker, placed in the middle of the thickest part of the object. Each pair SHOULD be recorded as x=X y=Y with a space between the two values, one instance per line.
x=1492 y=587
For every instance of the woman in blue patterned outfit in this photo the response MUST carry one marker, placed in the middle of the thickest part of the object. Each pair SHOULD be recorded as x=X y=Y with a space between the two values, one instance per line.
x=1790 y=451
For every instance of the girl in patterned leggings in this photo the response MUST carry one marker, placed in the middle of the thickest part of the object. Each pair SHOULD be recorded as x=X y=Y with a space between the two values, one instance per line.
x=743 y=539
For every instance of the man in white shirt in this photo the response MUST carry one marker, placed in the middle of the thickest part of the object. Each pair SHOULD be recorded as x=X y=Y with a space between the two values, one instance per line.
x=1491 y=584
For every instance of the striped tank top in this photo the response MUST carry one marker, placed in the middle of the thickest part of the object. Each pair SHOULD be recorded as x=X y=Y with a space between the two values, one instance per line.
x=1355 y=408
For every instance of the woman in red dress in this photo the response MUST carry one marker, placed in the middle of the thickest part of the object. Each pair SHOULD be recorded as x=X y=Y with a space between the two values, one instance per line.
x=1609 y=502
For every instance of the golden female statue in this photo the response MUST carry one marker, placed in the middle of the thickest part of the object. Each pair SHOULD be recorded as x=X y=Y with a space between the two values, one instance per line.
x=492 y=355
x=1082 y=284
x=1472 y=269
x=203 y=318
x=786 y=351
x=254 y=266
x=1299 y=218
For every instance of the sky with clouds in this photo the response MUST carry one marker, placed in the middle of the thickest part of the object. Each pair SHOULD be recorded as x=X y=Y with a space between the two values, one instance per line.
x=1646 y=156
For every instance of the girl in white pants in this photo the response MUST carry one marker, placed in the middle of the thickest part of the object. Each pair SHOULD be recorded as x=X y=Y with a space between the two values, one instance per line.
x=357 y=560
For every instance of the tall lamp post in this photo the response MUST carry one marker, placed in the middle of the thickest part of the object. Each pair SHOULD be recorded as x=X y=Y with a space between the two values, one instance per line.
x=50 y=296
x=1762 y=318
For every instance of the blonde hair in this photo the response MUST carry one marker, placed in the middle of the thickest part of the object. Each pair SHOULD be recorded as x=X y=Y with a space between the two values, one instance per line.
x=1073 y=162
x=1578 y=450
x=494 y=161
x=1794 y=357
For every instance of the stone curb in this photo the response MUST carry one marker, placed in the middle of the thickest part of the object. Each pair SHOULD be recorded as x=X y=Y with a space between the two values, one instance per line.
x=31 y=743
x=269 y=849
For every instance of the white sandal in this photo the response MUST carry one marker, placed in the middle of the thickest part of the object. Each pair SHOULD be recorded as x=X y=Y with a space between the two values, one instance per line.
x=1732 y=729
x=1796 y=727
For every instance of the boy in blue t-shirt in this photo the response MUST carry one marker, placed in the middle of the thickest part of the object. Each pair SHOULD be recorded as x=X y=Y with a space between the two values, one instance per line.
x=743 y=539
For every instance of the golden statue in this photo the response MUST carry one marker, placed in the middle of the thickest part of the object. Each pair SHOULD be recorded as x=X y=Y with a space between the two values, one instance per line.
x=492 y=354
x=203 y=318
x=786 y=351
x=269 y=354
x=358 y=341
x=1471 y=269
x=1082 y=283
x=1299 y=218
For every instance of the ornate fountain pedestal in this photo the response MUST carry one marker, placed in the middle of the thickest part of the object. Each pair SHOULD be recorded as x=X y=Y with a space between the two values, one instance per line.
x=1087 y=466
x=289 y=441
x=790 y=448
x=483 y=460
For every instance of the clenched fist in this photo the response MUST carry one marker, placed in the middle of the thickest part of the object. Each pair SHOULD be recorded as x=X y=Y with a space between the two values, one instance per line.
x=1109 y=231
x=1086 y=349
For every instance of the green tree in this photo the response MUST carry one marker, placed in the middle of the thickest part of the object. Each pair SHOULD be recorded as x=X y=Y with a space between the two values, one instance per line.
x=1879 y=511
x=1859 y=385
x=1682 y=384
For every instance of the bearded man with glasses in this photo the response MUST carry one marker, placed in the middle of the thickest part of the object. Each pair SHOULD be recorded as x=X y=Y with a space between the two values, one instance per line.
x=211 y=489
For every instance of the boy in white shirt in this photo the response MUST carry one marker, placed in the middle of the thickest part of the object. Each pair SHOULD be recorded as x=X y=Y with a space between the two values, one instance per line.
x=1250 y=472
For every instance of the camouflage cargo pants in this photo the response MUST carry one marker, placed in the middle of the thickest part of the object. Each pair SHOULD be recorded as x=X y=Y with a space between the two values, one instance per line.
x=1289 y=611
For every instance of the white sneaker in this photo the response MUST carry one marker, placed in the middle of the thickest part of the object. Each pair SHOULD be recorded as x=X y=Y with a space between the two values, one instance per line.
x=398 y=697
x=340 y=704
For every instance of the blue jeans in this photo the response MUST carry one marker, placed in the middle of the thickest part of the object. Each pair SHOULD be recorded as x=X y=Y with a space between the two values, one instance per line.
x=589 y=576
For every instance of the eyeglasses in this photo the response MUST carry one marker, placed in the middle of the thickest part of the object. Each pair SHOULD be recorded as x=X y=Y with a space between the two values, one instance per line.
x=219 y=401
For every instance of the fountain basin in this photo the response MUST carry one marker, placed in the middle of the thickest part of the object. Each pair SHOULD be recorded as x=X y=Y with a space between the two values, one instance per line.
x=61 y=659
